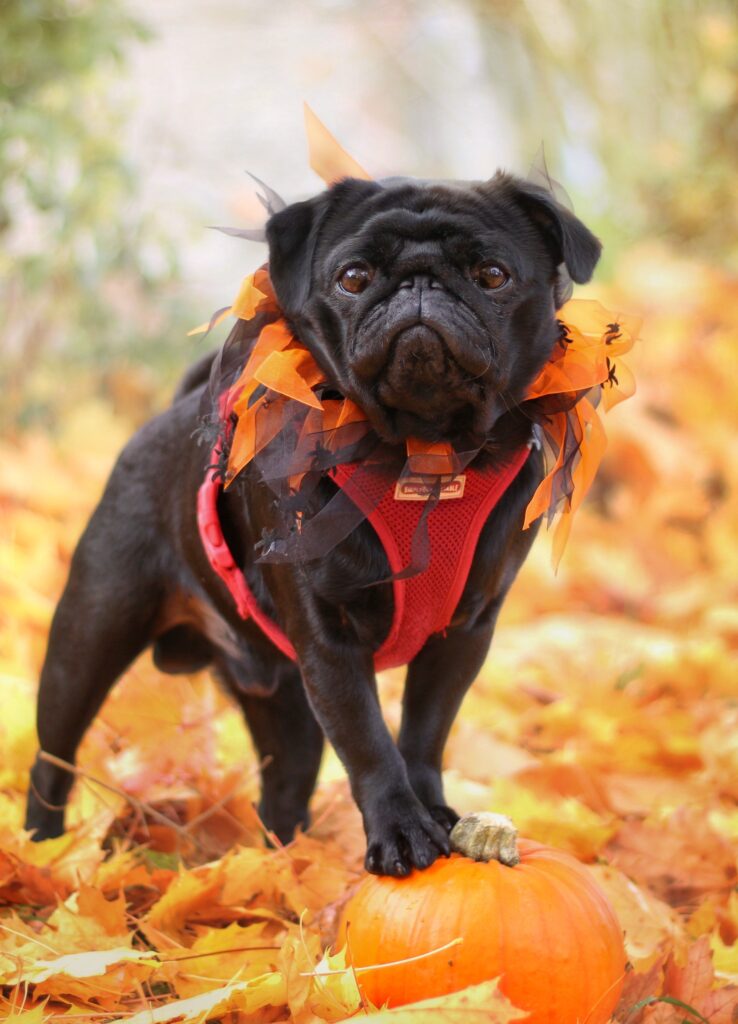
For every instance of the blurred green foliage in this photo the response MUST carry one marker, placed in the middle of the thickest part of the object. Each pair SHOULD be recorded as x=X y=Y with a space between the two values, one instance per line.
x=80 y=266
x=638 y=104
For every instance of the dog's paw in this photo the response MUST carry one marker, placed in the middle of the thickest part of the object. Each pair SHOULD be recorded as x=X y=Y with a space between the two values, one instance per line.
x=404 y=836
x=445 y=816
x=283 y=821
x=43 y=823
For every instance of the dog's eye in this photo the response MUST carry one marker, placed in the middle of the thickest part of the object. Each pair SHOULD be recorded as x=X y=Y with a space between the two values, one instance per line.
x=489 y=276
x=356 y=278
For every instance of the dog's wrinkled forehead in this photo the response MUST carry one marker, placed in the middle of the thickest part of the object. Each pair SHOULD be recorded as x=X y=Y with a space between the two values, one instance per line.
x=504 y=211
x=426 y=222
x=414 y=207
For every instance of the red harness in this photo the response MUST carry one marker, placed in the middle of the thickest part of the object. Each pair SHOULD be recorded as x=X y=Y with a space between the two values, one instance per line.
x=423 y=604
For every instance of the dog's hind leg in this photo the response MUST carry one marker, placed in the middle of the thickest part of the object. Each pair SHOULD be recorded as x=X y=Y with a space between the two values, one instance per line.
x=103 y=621
x=289 y=742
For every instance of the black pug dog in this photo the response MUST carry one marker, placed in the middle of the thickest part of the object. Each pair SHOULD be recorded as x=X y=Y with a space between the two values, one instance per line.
x=433 y=306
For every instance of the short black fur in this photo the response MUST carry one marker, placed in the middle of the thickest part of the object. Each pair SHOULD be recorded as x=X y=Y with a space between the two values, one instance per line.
x=427 y=348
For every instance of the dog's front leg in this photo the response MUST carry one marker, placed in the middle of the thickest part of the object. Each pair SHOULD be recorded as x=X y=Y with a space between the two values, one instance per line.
x=437 y=681
x=339 y=679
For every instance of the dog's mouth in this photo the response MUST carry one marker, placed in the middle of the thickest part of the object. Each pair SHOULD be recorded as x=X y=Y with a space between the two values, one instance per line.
x=424 y=391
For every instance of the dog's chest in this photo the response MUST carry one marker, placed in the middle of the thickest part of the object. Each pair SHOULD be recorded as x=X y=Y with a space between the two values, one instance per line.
x=400 y=569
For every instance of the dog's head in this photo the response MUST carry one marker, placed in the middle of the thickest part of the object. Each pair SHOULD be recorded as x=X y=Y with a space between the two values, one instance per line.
x=430 y=304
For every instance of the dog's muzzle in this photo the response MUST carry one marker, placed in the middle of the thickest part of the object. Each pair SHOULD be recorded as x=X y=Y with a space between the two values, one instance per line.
x=423 y=375
x=418 y=359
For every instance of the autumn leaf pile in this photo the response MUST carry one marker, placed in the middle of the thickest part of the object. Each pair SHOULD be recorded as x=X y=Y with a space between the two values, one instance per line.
x=605 y=722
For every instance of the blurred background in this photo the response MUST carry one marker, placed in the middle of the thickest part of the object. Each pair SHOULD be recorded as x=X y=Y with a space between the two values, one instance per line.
x=127 y=127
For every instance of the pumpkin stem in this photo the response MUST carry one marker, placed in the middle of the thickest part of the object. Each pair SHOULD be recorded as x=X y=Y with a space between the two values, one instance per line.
x=485 y=836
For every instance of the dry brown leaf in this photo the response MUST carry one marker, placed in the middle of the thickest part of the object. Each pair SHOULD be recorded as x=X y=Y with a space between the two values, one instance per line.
x=650 y=925
x=680 y=859
x=691 y=979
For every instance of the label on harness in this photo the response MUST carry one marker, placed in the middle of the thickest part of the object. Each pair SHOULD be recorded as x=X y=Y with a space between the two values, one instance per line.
x=418 y=488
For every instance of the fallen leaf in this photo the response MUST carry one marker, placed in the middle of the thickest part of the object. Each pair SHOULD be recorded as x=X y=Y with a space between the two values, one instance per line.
x=243 y=997
x=480 y=1003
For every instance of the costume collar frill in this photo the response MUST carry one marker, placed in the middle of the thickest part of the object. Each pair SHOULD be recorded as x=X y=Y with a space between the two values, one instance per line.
x=277 y=415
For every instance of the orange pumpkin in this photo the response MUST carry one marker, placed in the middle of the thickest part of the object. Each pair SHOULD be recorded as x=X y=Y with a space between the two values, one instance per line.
x=543 y=926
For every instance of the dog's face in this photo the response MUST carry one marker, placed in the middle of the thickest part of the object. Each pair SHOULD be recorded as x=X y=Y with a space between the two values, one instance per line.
x=430 y=304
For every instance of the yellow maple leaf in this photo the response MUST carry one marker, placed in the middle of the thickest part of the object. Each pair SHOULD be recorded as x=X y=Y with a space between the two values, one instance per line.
x=81 y=940
x=189 y=892
x=565 y=823
x=334 y=993
x=234 y=953
x=725 y=955
x=84 y=965
x=724 y=958
x=86 y=922
x=479 y=1003
x=298 y=957
x=249 y=873
x=244 y=997
x=100 y=978
x=36 y=1015
x=67 y=859
x=109 y=914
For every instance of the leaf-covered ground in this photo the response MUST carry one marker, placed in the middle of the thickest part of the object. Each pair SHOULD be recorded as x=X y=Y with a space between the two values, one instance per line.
x=605 y=722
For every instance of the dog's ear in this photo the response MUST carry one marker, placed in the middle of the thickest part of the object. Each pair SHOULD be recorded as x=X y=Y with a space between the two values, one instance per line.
x=292 y=234
x=572 y=243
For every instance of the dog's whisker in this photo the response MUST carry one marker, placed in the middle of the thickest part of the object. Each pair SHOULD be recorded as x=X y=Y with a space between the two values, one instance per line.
x=478 y=376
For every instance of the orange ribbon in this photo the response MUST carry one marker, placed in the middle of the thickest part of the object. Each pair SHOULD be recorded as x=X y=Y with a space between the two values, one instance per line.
x=587 y=358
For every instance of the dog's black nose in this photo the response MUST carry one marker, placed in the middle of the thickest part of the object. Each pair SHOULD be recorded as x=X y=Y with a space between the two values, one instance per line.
x=420 y=281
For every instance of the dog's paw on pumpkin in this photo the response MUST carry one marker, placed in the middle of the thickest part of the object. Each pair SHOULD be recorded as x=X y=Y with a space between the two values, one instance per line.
x=404 y=836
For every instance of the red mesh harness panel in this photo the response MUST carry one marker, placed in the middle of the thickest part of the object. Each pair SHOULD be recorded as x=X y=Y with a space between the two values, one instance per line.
x=424 y=604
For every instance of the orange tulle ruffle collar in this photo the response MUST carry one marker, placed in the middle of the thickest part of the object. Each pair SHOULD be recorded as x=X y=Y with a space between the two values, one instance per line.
x=586 y=372
x=585 y=375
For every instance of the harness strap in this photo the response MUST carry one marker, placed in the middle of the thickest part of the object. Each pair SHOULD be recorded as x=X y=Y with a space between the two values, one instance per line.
x=424 y=604
x=223 y=564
